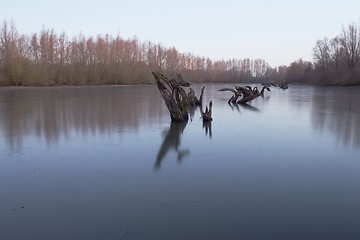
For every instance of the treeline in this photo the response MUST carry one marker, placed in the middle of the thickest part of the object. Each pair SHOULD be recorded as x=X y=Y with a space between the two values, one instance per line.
x=337 y=60
x=51 y=59
x=48 y=58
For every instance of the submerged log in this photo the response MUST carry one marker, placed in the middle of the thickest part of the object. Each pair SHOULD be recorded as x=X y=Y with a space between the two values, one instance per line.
x=247 y=93
x=233 y=98
x=174 y=96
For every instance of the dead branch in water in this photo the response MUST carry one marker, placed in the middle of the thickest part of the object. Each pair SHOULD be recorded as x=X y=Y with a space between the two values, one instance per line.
x=246 y=93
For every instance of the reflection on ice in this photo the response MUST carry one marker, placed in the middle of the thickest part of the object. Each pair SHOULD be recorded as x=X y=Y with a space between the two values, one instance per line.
x=207 y=128
x=88 y=156
x=57 y=113
x=53 y=114
x=336 y=110
x=172 y=141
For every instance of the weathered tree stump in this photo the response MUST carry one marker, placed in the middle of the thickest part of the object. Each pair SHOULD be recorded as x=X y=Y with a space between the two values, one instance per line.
x=207 y=114
x=174 y=96
x=193 y=100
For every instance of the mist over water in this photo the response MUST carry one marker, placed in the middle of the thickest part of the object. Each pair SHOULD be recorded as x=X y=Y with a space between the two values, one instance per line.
x=106 y=163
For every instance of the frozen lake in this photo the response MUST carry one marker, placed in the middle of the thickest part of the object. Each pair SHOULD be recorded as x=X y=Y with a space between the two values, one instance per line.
x=105 y=163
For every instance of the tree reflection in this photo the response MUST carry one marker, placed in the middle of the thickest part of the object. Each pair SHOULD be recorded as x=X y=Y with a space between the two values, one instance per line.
x=172 y=140
x=191 y=110
x=53 y=114
x=336 y=110
x=249 y=107
x=207 y=128
x=234 y=106
x=246 y=106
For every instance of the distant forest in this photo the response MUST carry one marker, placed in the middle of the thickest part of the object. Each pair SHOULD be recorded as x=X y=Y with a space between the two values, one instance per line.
x=47 y=59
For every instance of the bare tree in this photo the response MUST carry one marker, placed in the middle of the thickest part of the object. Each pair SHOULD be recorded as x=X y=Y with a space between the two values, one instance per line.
x=12 y=53
x=322 y=54
x=350 y=41
x=336 y=51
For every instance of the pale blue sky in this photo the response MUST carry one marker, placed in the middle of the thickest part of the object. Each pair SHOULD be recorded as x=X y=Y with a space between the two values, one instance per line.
x=277 y=31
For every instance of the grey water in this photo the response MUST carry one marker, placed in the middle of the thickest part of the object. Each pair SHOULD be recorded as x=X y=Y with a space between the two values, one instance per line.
x=106 y=163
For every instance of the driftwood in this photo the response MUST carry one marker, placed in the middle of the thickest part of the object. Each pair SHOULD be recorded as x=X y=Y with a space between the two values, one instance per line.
x=236 y=95
x=246 y=93
x=175 y=97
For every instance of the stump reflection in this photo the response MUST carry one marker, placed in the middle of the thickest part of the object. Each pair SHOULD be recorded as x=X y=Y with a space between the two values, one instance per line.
x=172 y=141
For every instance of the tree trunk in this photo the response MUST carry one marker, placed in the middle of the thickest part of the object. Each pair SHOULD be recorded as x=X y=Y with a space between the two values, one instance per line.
x=172 y=93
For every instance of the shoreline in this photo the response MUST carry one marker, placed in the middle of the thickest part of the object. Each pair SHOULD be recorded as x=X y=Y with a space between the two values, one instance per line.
x=151 y=84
